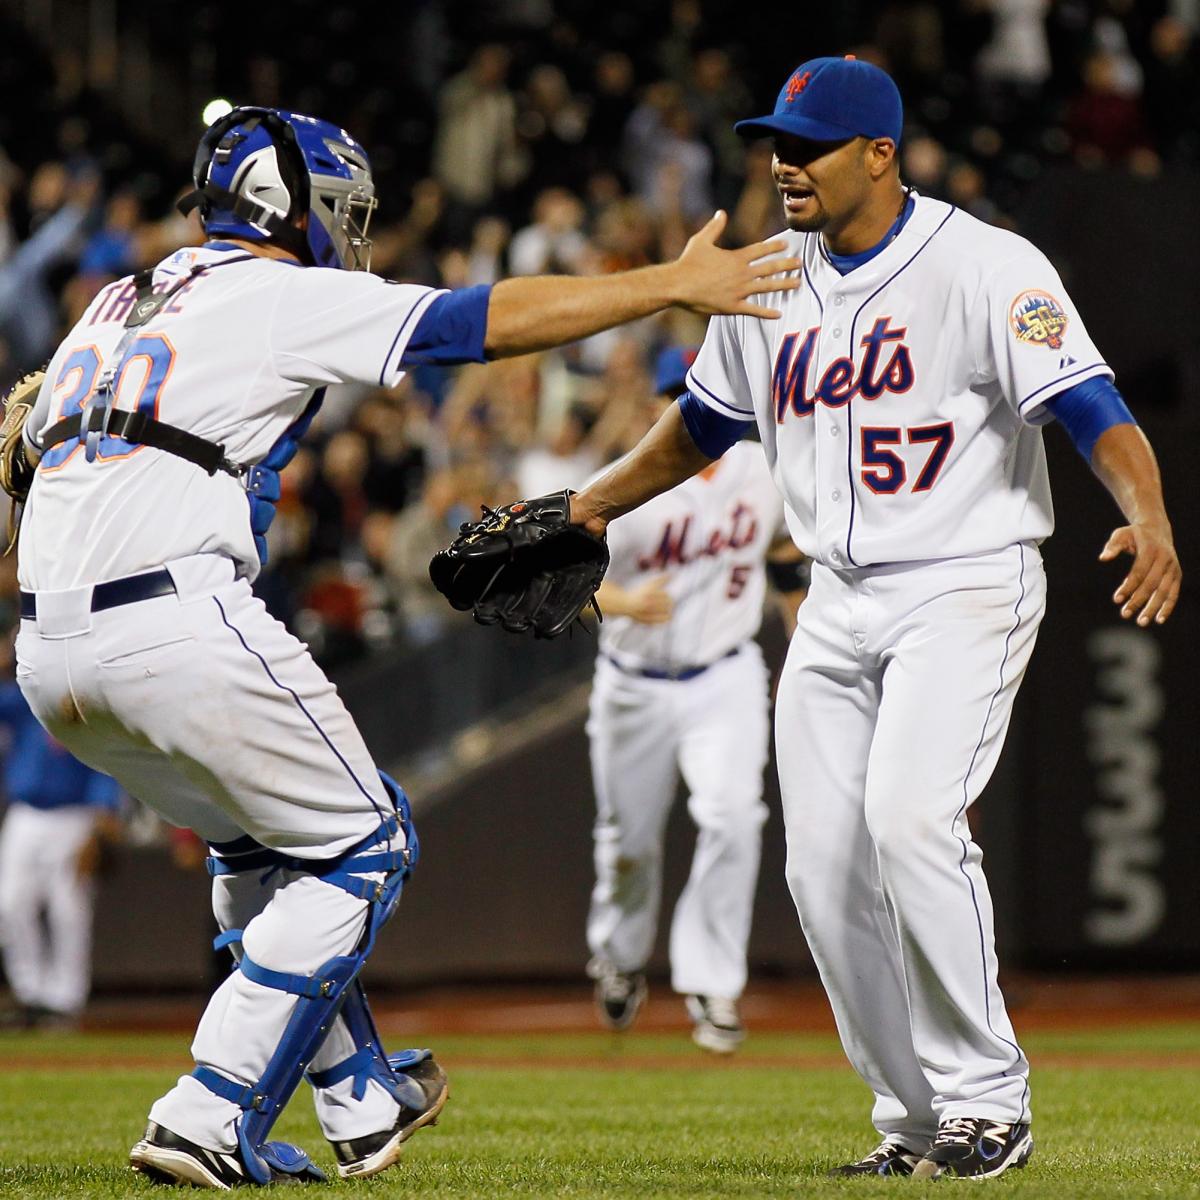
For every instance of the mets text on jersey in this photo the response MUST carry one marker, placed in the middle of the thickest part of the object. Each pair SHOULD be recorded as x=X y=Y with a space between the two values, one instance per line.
x=841 y=381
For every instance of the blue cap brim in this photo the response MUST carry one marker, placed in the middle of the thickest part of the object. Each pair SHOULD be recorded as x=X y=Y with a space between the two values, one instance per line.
x=801 y=127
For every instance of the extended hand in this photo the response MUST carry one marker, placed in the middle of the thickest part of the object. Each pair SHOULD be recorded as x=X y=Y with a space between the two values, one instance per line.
x=1152 y=586
x=650 y=604
x=712 y=280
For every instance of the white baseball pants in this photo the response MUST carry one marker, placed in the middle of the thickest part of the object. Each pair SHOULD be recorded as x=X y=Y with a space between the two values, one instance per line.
x=205 y=708
x=39 y=873
x=890 y=717
x=645 y=733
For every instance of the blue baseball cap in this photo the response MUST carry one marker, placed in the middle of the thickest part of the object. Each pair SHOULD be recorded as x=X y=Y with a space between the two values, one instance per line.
x=671 y=368
x=832 y=99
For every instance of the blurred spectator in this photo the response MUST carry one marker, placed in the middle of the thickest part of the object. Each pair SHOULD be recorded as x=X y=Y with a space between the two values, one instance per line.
x=551 y=124
x=485 y=260
x=1018 y=53
x=1104 y=122
x=1173 y=90
x=476 y=153
x=404 y=544
x=395 y=462
x=668 y=164
x=113 y=251
x=337 y=496
x=60 y=208
x=612 y=102
x=756 y=214
x=554 y=243
x=924 y=164
x=716 y=97
x=566 y=459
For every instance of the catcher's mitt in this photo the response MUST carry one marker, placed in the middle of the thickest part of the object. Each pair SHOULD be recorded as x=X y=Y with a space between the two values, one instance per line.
x=524 y=566
x=16 y=471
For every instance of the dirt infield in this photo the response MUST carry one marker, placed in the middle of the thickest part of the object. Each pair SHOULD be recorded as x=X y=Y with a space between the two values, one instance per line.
x=1037 y=1003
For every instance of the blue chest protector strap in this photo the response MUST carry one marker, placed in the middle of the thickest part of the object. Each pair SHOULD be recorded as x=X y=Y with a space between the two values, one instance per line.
x=332 y=989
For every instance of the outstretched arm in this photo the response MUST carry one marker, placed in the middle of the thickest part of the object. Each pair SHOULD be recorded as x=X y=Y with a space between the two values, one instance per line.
x=1125 y=464
x=665 y=457
x=535 y=313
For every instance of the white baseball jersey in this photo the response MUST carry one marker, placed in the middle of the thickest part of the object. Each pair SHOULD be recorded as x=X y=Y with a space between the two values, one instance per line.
x=234 y=357
x=708 y=536
x=899 y=404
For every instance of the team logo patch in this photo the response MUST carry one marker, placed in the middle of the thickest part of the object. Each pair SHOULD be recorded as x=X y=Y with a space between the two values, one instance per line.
x=1038 y=319
x=797 y=84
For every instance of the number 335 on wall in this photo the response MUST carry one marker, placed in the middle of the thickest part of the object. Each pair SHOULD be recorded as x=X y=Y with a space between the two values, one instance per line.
x=885 y=472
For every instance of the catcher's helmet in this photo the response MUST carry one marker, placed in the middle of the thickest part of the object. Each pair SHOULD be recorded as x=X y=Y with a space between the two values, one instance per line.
x=258 y=169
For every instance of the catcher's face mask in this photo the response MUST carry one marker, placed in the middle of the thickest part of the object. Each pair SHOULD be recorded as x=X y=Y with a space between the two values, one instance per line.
x=258 y=170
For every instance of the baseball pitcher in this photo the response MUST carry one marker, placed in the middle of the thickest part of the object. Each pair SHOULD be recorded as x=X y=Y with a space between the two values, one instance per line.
x=900 y=402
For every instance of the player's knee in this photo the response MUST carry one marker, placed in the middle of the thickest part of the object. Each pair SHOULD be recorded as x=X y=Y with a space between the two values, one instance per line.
x=901 y=830
x=735 y=815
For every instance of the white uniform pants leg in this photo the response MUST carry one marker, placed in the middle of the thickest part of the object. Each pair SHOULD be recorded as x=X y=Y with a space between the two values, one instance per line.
x=634 y=773
x=920 y=664
x=39 y=857
x=824 y=722
x=956 y=664
x=723 y=739
x=205 y=708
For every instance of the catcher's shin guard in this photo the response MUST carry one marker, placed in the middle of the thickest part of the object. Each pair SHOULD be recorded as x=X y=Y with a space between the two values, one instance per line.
x=320 y=996
x=369 y=1062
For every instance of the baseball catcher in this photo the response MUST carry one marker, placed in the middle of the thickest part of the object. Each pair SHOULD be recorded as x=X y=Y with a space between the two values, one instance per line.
x=523 y=566
x=16 y=471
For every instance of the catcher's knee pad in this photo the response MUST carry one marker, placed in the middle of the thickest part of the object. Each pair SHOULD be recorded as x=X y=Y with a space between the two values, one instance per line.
x=323 y=994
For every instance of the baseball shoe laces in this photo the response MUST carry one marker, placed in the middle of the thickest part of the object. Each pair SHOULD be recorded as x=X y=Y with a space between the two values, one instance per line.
x=890 y=1157
x=975 y=1148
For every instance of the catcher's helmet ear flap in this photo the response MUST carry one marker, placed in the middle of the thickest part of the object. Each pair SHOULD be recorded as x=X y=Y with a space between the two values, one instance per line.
x=258 y=170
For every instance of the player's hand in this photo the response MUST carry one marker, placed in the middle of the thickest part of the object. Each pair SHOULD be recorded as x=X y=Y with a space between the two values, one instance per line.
x=1151 y=588
x=712 y=280
x=649 y=603
x=581 y=514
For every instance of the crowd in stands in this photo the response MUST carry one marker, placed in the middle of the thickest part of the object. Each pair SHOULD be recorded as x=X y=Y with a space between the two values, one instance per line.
x=531 y=147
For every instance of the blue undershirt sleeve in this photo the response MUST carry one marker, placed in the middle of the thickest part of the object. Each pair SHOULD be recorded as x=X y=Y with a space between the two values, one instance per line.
x=1087 y=410
x=451 y=330
x=712 y=432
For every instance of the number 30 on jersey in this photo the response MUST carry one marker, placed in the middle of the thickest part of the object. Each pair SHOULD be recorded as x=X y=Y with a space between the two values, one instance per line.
x=77 y=381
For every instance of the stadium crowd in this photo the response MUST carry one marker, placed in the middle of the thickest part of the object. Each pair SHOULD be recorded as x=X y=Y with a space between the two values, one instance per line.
x=531 y=148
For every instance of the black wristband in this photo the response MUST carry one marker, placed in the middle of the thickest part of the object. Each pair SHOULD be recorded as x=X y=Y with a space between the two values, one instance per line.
x=791 y=575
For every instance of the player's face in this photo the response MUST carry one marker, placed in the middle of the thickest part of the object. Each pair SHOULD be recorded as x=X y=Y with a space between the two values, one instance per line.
x=821 y=183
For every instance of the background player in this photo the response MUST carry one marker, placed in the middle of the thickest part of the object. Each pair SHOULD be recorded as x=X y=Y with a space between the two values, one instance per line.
x=681 y=689
x=59 y=815
x=899 y=402
x=161 y=426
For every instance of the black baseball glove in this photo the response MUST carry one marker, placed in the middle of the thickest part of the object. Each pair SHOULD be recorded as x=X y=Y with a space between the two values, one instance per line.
x=524 y=566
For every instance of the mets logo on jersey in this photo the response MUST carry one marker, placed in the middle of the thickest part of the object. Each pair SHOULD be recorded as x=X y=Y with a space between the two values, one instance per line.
x=1038 y=319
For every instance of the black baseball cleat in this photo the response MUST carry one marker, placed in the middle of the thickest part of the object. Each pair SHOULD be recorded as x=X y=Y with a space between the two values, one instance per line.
x=165 y=1157
x=619 y=997
x=888 y=1158
x=975 y=1148
x=716 y=1024
x=377 y=1151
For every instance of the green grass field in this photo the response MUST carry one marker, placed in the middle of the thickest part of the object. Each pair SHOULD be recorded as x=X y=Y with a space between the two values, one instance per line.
x=647 y=1115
